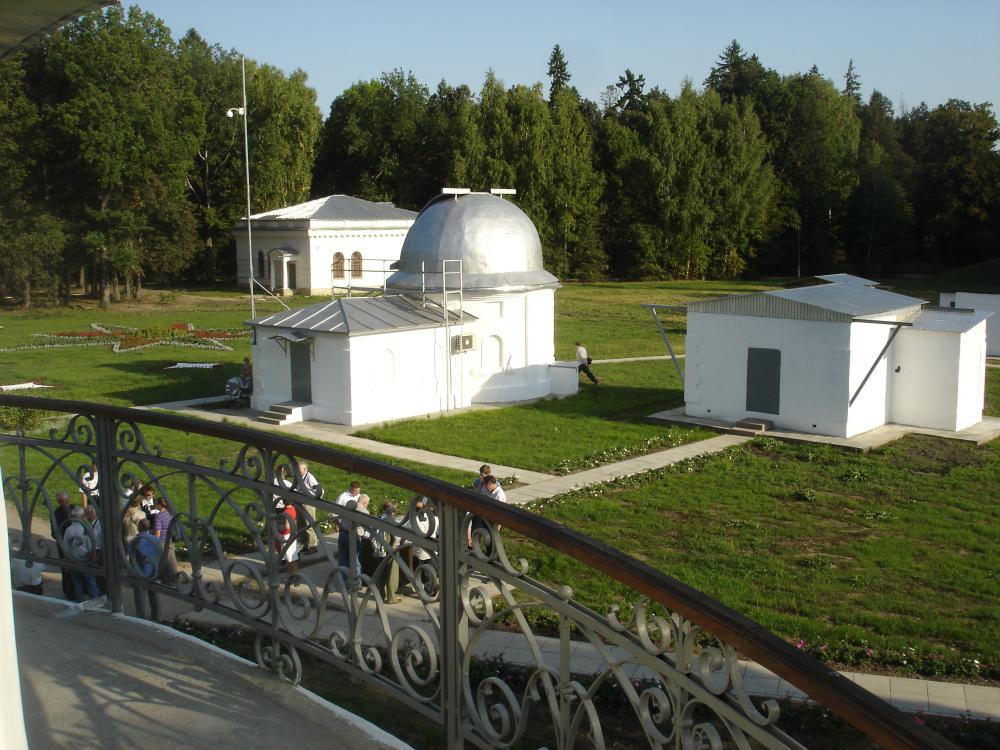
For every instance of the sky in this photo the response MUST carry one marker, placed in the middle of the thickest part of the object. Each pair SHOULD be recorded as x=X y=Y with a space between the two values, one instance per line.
x=912 y=51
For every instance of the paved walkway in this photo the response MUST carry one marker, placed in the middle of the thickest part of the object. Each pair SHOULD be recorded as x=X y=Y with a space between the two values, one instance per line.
x=97 y=680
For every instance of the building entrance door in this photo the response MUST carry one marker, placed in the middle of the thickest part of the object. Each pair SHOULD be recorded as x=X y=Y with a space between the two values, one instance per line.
x=300 y=356
x=764 y=380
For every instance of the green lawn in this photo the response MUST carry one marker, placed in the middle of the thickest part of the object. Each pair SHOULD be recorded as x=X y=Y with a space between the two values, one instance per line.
x=600 y=425
x=611 y=322
x=895 y=550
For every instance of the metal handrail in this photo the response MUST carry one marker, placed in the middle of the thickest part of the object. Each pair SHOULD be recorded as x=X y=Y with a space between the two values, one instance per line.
x=874 y=717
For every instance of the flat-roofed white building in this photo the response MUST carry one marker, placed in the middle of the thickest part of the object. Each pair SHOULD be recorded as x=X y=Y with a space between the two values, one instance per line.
x=836 y=359
x=326 y=245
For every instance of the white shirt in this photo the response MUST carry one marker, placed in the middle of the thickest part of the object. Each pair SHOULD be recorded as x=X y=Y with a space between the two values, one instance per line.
x=23 y=575
x=308 y=484
x=581 y=355
x=497 y=494
x=344 y=499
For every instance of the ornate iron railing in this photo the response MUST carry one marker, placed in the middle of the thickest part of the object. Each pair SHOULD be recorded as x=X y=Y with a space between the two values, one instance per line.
x=688 y=691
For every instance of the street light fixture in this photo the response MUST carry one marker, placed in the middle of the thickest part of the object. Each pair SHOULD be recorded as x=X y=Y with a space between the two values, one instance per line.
x=242 y=112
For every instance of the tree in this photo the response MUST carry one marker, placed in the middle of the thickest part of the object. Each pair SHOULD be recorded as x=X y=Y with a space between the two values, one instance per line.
x=124 y=127
x=451 y=143
x=284 y=124
x=558 y=73
x=493 y=168
x=215 y=177
x=878 y=227
x=369 y=143
x=817 y=163
x=575 y=194
x=956 y=180
x=530 y=156
x=852 y=84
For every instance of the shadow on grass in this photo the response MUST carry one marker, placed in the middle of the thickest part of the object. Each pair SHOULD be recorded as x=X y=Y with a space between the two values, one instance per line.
x=165 y=385
x=614 y=403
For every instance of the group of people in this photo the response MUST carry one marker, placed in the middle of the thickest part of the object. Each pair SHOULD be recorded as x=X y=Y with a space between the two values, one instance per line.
x=361 y=548
x=148 y=536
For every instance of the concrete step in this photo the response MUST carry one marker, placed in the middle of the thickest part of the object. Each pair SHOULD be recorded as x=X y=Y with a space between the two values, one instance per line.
x=281 y=409
x=745 y=431
x=272 y=418
x=753 y=423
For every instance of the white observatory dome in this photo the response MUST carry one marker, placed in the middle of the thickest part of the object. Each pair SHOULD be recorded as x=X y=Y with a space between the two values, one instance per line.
x=495 y=240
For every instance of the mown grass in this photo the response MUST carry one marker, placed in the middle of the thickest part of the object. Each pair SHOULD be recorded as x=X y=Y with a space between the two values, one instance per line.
x=128 y=378
x=599 y=425
x=609 y=318
x=890 y=558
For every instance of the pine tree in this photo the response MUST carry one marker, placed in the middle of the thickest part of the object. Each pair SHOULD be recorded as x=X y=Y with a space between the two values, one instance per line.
x=852 y=84
x=558 y=73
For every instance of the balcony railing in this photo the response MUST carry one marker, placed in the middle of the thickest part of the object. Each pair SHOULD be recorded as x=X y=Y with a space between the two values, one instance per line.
x=690 y=650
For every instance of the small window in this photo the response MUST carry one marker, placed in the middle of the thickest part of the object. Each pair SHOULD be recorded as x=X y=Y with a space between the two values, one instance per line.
x=261 y=268
x=356 y=266
x=337 y=269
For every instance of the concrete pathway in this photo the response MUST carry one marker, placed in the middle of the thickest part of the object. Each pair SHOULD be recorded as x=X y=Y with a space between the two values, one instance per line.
x=97 y=680
x=648 y=462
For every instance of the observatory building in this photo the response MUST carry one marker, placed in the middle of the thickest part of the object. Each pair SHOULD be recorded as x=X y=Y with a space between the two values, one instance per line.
x=467 y=318
x=839 y=358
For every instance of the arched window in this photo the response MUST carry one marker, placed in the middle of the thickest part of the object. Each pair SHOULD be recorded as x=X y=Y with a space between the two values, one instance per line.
x=337 y=269
x=356 y=265
x=261 y=268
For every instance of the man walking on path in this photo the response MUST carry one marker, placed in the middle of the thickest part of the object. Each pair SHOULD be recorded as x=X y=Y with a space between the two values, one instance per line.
x=583 y=363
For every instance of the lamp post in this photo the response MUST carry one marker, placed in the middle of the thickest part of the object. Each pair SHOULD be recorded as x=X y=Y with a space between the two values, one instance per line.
x=242 y=112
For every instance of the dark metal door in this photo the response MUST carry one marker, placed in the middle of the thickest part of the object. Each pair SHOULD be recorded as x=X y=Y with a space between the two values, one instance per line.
x=764 y=380
x=301 y=359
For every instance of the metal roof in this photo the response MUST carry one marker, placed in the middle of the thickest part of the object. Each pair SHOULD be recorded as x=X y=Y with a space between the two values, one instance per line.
x=948 y=319
x=345 y=208
x=838 y=302
x=360 y=315
x=846 y=278
x=495 y=240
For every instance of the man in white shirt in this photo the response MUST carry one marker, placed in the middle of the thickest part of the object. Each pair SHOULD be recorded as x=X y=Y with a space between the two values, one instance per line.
x=583 y=363
x=308 y=485
x=344 y=535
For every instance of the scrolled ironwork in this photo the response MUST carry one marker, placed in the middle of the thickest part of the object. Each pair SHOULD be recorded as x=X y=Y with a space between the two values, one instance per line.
x=672 y=667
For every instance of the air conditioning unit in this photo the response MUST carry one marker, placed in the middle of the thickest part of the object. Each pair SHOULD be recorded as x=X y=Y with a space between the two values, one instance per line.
x=462 y=343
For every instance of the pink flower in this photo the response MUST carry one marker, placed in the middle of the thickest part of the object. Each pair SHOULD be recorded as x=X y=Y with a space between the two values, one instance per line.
x=800 y=644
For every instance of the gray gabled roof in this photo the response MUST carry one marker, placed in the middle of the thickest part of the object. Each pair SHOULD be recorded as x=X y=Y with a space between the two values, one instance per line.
x=340 y=208
x=840 y=302
x=360 y=315
x=846 y=278
x=948 y=319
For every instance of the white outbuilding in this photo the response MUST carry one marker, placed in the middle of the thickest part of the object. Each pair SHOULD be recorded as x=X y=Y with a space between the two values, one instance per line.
x=326 y=245
x=836 y=359
x=468 y=317
x=980 y=303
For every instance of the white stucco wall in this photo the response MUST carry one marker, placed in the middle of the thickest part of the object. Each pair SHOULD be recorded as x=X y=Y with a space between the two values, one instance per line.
x=379 y=246
x=978 y=302
x=398 y=374
x=272 y=380
x=815 y=360
x=972 y=376
x=871 y=408
x=11 y=709
x=925 y=390
x=514 y=346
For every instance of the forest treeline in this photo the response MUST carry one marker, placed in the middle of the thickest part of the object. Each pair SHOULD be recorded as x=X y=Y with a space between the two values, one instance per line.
x=118 y=165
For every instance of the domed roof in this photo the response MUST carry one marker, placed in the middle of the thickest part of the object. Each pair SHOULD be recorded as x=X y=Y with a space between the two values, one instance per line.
x=495 y=240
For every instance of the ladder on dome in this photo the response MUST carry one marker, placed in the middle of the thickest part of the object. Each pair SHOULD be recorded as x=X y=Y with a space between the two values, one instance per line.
x=451 y=268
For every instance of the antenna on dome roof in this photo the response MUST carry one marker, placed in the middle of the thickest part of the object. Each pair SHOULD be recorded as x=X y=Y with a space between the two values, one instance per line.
x=455 y=191
x=503 y=191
